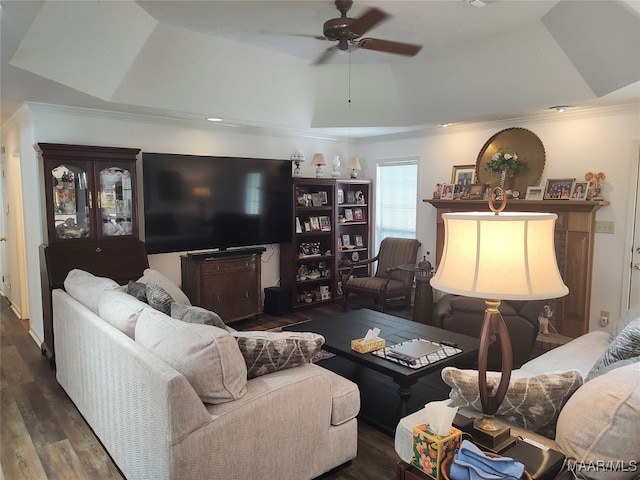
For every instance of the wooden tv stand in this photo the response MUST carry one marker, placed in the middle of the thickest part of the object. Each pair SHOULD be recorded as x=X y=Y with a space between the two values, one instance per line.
x=226 y=282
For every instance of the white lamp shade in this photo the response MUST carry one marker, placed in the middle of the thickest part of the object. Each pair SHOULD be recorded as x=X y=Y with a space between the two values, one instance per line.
x=318 y=159
x=354 y=163
x=509 y=256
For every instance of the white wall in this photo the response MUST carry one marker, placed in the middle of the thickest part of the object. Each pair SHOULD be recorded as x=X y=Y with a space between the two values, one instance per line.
x=604 y=140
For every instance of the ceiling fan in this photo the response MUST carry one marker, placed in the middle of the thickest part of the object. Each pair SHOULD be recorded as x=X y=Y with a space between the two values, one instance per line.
x=348 y=32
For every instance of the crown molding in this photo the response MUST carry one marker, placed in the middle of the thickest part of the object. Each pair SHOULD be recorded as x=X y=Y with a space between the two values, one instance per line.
x=201 y=124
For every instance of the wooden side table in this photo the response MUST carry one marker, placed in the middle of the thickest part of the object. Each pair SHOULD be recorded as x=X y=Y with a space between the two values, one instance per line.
x=409 y=472
x=423 y=300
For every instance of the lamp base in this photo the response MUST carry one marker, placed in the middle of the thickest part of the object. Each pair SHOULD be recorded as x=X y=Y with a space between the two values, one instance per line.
x=354 y=173
x=491 y=434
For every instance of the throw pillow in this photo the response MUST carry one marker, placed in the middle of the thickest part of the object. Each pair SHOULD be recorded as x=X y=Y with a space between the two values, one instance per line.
x=192 y=314
x=153 y=276
x=531 y=402
x=207 y=356
x=612 y=366
x=87 y=288
x=158 y=298
x=121 y=310
x=266 y=352
x=625 y=345
x=138 y=290
x=600 y=424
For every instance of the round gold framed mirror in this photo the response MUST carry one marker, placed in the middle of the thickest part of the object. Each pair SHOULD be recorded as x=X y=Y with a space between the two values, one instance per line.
x=530 y=151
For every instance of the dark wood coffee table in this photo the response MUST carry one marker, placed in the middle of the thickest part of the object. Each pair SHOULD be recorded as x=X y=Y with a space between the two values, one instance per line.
x=338 y=331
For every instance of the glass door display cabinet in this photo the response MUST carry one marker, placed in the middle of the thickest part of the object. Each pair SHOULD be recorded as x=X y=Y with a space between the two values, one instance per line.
x=89 y=196
x=89 y=192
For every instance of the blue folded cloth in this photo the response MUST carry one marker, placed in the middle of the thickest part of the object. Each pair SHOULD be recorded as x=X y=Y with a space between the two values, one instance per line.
x=470 y=463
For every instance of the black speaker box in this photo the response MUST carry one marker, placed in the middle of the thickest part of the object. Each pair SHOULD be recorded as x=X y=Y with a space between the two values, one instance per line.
x=276 y=301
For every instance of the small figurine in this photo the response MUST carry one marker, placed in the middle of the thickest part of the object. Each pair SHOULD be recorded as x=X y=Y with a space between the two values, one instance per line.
x=543 y=319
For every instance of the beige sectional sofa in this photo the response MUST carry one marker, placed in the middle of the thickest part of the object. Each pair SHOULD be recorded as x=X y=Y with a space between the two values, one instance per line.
x=295 y=423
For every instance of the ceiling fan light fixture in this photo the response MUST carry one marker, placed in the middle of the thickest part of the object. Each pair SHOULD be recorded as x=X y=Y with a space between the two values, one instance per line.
x=559 y=108
x=213 y=119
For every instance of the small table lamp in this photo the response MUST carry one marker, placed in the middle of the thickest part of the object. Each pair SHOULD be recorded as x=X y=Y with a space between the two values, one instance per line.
x=354 y=165
x=319 y=161
x=498 y=256
x=297 y=157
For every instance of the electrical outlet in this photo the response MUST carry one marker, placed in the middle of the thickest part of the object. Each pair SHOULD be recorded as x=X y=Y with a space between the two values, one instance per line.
x=604 y=318
x=604 y=226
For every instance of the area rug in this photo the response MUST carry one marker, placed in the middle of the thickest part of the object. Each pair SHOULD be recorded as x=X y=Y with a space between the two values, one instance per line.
x=320 y=355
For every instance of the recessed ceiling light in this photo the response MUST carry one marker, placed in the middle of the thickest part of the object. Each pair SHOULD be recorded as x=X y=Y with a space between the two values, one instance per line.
x=214 y=119
x=559 y=108
x=445 y=125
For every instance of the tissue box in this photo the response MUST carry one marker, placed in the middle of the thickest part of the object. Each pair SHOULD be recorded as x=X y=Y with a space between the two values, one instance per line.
x=430 y=449
x=360 y=346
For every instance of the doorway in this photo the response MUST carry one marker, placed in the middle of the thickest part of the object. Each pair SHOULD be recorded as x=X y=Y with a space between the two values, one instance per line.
x=633 y=295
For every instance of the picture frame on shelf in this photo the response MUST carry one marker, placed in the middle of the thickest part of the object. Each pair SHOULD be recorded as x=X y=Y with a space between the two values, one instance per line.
x=340 y=196
x=359 y=241
x=307 y=226
x=325 y=223
x=315 y=223
x=464 y=175
x=351 y=196
x=476 y=191
x=316 y=199
x=346 y=240
x=358 y=215
x=324 y=199
x=348 y=215
x=558 y=188
x=579 y=190
x=447 y=191
x=534 y=192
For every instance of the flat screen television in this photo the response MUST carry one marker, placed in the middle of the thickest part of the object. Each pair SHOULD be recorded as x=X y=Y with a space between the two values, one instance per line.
x=196 y=202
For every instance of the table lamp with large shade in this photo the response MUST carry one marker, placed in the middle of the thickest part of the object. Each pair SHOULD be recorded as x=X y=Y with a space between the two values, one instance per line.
x=498 y=256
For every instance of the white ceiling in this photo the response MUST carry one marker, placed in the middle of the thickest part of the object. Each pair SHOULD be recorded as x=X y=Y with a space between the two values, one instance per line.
x=251 y=62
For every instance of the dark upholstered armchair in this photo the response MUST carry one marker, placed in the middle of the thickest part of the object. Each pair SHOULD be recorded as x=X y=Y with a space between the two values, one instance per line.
x=466 y=315
x=389 y=281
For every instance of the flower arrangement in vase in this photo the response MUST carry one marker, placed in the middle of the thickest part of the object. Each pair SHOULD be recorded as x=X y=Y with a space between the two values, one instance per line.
x=503 y=161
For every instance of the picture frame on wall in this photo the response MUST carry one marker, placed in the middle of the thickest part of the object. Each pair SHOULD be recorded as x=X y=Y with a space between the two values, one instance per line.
x=534 y=192
x=464 y=175
x=558 y=188
x=579 y=190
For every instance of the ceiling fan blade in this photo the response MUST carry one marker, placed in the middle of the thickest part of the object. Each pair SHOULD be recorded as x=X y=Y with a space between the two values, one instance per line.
x=325 y=55
x=366 y=22
x=388 y=46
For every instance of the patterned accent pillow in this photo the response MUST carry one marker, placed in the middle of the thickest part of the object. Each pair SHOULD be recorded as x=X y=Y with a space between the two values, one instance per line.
x=193 y=314
x=158 y=298
x=625 y=345
x=533 y=402
x=138 y=290
x=266 y=352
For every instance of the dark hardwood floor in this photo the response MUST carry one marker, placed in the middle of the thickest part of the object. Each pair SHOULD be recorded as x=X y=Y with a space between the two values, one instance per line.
x=43 y=436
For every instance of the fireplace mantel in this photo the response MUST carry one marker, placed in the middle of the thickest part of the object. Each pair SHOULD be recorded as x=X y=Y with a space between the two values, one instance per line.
x=574 y=238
